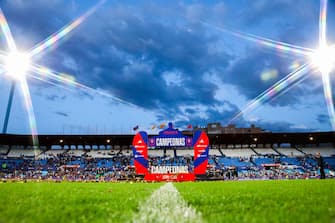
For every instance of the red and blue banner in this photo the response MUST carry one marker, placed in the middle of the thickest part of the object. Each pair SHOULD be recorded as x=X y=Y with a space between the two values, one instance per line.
x=201 y=150
x=140 y=152
x=170 y=137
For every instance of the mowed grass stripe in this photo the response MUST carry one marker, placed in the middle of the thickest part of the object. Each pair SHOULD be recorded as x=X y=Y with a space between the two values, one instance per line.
x=262 y=201
x=166 y=205
x=71 y=202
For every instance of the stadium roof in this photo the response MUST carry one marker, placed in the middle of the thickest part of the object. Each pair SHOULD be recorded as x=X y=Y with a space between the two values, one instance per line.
x=126 y=140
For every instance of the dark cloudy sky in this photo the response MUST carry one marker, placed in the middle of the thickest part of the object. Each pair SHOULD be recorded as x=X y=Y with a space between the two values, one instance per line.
x=167 y=61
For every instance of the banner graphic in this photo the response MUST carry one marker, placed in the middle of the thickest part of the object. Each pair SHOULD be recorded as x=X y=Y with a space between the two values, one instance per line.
x=171 y=137
x=201 y=150
x=140 y=152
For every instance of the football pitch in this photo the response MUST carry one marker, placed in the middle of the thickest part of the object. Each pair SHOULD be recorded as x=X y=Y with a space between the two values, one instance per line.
x=233 y=201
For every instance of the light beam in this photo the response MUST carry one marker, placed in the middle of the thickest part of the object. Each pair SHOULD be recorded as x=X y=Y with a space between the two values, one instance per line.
x=322 y=58
x=274 y=44
x=274 y=91
x=326 y=66
x=54 y=38
x=53 y=76
x=7 y=33
x=18 y=65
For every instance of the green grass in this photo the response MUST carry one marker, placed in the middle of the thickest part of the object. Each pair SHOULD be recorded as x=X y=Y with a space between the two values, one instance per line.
x=242 y=201
x=262 y=201
x=71 y=202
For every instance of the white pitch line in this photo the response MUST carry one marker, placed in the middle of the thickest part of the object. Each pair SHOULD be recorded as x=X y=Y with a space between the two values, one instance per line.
x=165 y=205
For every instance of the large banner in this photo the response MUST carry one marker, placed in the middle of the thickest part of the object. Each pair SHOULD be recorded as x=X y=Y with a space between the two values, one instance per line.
x=201 y=150
x=170 y=137
x=140 y=152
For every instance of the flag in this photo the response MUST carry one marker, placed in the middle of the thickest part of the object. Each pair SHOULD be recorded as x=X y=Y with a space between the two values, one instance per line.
x=161 y=125
x=135 y=128
x=189 y=126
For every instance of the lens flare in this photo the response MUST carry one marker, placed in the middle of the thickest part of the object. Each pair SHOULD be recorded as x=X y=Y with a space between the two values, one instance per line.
x=12 y=63
x=325 y=66
x=17 y=64
x=278 y=45
x=274 y=91
x=294 y=65
x=54 y=38
x=6 y=31
x=324 y=59
x=65 y=79
x=327 y=91
x=269 y=74
x=323 y=23
x=30 y=110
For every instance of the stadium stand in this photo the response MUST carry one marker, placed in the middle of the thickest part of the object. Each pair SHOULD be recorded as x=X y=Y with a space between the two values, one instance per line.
x=170 y=152
x=324 y=151
x=55 y=160
x=265 y=151
x=214 y=152
x=234 y=162
x=185 y=152
x=259 y=161
x=290 y=161
x=292 y=152
x=155 y=153
x=4 y=150
x=242 y=152
x=17 y=153
x=99 y=154
x=52 y=153
x=76 y=153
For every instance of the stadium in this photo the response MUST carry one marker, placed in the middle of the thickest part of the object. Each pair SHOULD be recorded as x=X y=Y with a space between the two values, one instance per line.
x=260 y=155
x=256 y=157
x=213 y=111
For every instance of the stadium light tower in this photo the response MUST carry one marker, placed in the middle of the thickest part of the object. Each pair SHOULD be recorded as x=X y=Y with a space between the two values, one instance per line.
x=16 y=66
